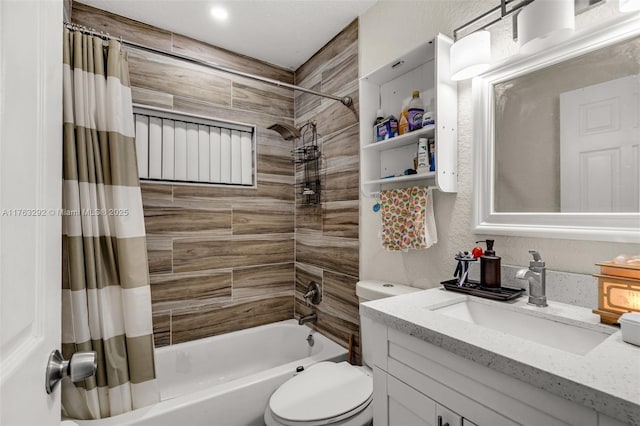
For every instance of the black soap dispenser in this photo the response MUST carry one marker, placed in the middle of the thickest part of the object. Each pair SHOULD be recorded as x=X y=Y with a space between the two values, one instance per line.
x=489 y=267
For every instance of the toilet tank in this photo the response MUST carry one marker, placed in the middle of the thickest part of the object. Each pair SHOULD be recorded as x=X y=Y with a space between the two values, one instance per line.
x=373 y=290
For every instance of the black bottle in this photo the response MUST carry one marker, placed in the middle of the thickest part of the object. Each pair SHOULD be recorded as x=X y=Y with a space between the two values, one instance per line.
x=490 y=267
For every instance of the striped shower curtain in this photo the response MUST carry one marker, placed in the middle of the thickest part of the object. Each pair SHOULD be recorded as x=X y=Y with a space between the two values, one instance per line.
x=106 y=298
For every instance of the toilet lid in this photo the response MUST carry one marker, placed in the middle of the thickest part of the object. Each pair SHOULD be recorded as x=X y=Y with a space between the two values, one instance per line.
x=324 y=391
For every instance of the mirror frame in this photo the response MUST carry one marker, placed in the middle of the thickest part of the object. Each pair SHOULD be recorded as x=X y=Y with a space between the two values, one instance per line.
x=617 y=227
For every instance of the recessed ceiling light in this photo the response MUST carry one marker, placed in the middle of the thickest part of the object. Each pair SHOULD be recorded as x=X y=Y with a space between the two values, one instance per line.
x=219 y=13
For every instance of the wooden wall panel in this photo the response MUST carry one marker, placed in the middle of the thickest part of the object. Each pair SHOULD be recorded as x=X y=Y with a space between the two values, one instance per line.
x=190 y=324
x=223 y=258
x=220 y=258
x=327 y=246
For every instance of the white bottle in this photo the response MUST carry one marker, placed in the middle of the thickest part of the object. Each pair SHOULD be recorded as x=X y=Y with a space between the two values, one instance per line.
x=423 y=156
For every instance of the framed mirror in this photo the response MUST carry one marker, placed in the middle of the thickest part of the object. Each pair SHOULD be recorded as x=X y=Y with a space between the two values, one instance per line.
x=557 y=140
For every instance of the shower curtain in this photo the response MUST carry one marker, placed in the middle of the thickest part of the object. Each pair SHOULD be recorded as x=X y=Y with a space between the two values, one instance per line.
x=106 y=297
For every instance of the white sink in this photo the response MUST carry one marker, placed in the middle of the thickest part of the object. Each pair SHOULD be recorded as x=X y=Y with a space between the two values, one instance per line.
x=523 y=323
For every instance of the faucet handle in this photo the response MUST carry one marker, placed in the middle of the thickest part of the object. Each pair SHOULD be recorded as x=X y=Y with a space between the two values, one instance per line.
x=537 y=259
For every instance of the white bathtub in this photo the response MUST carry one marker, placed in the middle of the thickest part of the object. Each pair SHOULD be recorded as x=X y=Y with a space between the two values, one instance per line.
x=226 y=380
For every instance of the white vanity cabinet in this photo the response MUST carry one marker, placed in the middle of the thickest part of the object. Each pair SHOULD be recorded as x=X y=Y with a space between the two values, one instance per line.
x=404 y=405
x=426 y=69
x=418 y=383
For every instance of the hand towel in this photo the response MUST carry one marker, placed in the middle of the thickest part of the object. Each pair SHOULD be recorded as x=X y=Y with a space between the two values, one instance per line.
x=407 y=219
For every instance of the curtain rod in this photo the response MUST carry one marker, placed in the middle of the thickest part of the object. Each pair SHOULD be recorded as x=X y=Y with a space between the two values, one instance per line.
x=345 y=100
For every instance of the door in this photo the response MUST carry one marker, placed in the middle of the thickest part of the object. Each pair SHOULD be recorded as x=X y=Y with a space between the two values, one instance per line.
x=600 y=147
x=30 y=199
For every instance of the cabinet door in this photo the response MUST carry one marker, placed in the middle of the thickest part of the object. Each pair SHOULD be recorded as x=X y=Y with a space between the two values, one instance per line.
x=446 y=417
x=407 y=406
x=397 y=404
x=466 y=422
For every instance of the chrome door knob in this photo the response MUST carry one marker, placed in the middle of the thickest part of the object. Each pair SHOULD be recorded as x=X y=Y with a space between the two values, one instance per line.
x=82 y=365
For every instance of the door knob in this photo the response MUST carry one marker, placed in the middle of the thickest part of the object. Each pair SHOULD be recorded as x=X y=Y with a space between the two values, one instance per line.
x=82 y=365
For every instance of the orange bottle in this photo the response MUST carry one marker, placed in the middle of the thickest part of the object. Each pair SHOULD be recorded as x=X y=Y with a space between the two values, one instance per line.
x=403 y=122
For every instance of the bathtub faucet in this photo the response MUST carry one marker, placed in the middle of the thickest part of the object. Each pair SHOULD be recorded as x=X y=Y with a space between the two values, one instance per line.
x=313 y=294
x=312 y=318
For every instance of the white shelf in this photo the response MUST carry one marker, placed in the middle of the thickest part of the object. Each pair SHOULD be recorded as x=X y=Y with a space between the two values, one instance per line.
x=425 y=69
x=372 y=187
x=402 y=140
x=400 y=179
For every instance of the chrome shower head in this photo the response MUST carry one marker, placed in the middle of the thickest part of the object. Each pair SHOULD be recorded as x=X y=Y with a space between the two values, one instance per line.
x=287 y=131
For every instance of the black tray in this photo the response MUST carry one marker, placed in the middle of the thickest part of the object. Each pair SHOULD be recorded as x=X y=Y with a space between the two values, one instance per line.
x=475 y=289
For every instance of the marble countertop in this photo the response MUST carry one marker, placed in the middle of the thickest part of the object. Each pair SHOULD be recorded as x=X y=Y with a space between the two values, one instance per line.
x=607 y=378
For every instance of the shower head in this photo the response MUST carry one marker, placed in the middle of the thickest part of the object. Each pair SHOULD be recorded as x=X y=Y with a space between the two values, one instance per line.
x=287 y=131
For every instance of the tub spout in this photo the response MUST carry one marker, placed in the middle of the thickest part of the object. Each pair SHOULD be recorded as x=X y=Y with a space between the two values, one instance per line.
x=312 y=318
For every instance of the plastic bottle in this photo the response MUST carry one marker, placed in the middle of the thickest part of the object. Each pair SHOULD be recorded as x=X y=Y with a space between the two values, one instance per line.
x=490 y=267
x=432 y=155
x=403 y=122
x=428 y=119
x=415 y=112
x=423 y=156
x=379 y=119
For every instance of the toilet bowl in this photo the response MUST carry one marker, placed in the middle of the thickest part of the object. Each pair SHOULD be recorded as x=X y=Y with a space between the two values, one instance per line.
x=333 y=393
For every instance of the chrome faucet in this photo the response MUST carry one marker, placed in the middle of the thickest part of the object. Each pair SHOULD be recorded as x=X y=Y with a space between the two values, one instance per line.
x=312 y=318
x=536 y=275
x=313 y=294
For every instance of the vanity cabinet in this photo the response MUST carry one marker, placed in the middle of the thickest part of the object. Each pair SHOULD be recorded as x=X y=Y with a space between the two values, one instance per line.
x=417 y=383
x=425 y=68
x=397 y=403
x=406 y=406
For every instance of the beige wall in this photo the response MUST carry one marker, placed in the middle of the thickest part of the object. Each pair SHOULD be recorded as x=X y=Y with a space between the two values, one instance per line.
x=385 y=33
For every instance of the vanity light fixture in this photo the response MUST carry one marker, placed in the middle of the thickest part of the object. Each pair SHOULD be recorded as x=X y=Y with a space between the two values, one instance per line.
x=544 y=23
x=537 y=23
x=471 y=55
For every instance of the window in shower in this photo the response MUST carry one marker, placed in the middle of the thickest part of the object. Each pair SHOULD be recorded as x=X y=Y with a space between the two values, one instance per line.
x=184 y=148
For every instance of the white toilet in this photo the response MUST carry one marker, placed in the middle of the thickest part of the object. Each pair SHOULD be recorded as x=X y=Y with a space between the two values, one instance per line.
x=333 y=393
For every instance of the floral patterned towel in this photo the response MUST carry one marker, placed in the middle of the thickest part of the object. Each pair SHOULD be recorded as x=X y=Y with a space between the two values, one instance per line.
x=407 y=219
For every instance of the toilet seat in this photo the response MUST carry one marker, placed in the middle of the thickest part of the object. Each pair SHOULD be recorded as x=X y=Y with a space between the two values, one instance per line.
x=325 y=393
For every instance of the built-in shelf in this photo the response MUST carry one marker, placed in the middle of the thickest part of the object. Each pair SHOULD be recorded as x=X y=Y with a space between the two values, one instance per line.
x=399 y=179
x=373 y=184
x=402 y=140
x=426 y=69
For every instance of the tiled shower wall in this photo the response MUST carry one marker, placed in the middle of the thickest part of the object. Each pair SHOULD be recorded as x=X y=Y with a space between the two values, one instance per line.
x=220 y=258
x=327 y=234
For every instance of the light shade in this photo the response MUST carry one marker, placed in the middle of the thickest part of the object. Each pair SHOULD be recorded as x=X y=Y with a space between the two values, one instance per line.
x=629 y=5
x=471 y=55
x=544 y=23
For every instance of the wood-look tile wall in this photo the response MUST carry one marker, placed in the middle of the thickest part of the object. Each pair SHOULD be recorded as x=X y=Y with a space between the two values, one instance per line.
x=327 y=234
x=220 y=258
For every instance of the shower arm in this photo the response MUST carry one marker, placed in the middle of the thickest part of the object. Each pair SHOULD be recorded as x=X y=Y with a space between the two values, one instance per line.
x=345 y=100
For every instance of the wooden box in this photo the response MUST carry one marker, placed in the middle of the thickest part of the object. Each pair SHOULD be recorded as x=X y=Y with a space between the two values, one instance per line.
x=618 y=291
